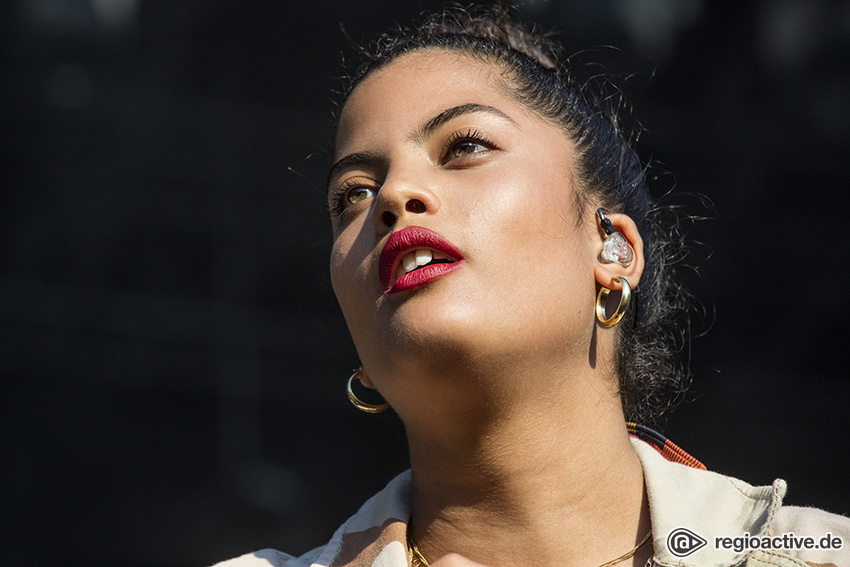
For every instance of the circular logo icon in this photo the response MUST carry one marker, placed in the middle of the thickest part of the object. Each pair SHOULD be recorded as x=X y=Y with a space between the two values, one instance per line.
x=682 y=542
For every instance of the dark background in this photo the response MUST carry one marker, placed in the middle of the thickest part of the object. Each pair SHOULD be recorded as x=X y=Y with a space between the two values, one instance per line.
x=172 y=358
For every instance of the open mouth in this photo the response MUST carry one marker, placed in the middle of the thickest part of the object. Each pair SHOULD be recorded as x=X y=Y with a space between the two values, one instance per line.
x=414 y=256
x=418 y=259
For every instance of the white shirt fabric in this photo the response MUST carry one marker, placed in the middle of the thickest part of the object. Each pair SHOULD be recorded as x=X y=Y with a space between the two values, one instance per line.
x=714 y=508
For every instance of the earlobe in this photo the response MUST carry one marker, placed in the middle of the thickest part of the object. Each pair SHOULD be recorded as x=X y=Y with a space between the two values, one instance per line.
x=620 y=252
x=364 y=379
x=357 y=402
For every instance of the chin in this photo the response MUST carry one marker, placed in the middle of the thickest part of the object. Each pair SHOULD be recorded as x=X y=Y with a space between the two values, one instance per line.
x=448 y=333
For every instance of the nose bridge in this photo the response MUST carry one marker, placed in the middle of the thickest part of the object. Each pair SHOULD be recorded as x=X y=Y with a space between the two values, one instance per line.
x=406 y=190
x=403 y=178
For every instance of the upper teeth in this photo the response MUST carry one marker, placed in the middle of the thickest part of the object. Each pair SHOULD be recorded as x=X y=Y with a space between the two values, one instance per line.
x=417 y=259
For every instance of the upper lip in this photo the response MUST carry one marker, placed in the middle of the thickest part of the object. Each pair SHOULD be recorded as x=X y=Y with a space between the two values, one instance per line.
x=407 y=240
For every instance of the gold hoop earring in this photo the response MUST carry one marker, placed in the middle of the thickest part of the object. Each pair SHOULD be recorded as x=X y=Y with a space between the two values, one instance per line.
x=602 y=299
x=357 y=402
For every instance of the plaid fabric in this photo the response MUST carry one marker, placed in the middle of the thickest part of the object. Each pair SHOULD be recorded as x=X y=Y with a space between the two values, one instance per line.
x=670 y=450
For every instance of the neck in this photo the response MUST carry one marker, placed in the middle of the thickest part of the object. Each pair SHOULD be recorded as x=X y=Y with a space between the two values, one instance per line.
x=530 y=483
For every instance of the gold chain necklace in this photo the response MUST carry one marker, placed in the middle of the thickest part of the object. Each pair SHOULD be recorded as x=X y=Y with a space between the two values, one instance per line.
x=416 y=559
x=628 y=554
x=414 y=556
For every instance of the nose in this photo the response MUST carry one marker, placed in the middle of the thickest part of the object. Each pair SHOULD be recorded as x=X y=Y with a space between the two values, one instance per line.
x=398 y=198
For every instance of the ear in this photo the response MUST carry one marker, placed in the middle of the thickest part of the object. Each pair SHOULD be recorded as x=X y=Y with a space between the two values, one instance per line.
x=366 y=381
x=605 y=272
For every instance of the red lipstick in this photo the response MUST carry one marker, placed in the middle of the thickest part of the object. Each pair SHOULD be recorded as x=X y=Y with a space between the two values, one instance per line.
x=409 y=240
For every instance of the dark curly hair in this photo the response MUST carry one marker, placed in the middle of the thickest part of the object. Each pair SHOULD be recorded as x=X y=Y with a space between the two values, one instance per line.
x=609 y=172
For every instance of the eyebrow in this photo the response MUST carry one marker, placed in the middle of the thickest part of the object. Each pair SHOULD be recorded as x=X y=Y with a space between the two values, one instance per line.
x=418 y=135
x=368 y=159
x=451 y=113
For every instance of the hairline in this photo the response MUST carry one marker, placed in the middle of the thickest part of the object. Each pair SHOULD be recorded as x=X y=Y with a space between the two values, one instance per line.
x=469 y=52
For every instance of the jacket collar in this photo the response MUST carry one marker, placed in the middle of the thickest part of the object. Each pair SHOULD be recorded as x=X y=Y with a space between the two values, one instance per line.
x=376 y=534
x=708 y=504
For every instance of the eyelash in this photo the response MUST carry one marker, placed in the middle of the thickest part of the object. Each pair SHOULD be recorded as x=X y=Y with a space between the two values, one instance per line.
x=470 y=135
x=338 y=194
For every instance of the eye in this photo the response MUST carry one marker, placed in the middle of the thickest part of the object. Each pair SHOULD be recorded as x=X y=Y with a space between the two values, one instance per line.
x=348 y=194
x=357 y=194
x=466 y=143
x=466 y=147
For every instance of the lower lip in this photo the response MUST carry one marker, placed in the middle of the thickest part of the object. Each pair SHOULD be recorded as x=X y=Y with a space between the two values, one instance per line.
x=422 y=276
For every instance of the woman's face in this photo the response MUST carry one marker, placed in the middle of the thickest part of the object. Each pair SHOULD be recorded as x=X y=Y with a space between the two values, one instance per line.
x=434 y=161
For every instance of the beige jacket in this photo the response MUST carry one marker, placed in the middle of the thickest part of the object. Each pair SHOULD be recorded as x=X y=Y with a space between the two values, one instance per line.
x=714 y=509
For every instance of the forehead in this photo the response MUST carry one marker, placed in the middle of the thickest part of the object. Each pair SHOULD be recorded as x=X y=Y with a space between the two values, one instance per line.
x=414 y=86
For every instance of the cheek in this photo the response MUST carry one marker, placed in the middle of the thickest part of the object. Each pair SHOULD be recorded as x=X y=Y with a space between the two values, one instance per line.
x=349 y=270
x=523 y=203
x=524 y=224
x=335 y=266
x=341 y=267
x=342 y=273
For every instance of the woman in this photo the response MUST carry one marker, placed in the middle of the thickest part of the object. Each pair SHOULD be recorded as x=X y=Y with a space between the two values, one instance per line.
x=492 y=228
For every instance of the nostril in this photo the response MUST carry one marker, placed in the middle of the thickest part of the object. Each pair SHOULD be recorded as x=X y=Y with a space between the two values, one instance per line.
x=415 y=206
x=388 y=218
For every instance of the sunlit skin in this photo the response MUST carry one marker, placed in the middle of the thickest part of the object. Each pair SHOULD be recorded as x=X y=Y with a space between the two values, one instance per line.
x=498 y=369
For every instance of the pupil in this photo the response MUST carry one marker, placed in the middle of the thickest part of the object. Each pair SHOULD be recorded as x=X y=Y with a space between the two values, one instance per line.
x=464 y=148
x=356 y=195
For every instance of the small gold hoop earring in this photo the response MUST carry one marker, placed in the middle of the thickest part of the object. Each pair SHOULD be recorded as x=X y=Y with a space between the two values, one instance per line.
x=602 y=299
x=357 y=402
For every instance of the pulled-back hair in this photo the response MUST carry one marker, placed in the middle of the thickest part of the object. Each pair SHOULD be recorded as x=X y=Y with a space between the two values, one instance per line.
x=608 y=172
